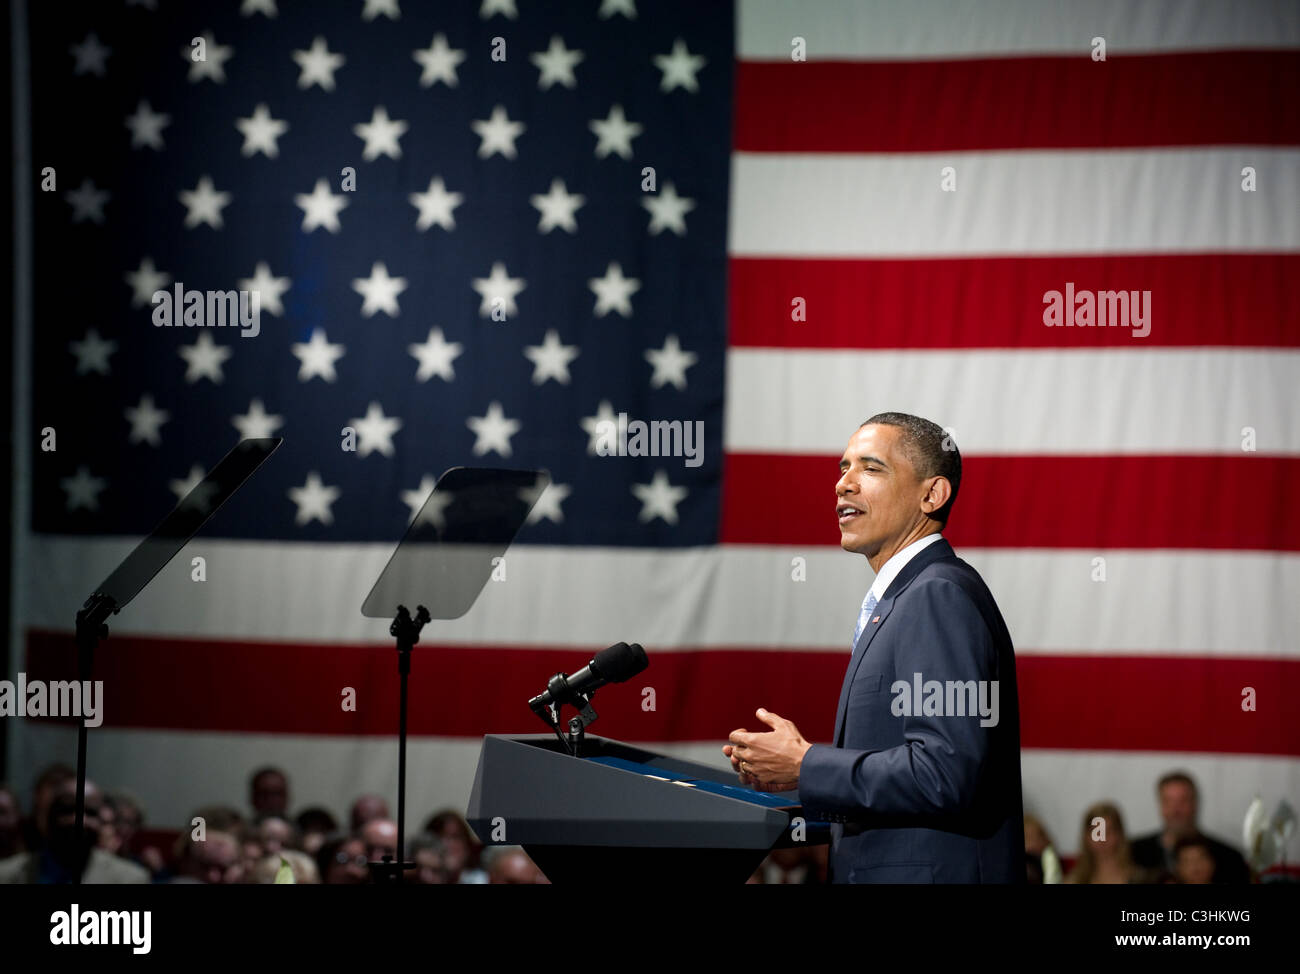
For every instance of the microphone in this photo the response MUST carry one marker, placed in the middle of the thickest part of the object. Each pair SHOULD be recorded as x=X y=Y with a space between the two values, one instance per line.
x=616 y=664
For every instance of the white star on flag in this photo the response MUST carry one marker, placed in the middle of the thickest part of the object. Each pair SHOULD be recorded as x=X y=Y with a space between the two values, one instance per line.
x=375 y=431
x=90 y=55
x=260 y=132
x=214 y=59
x=204 y=204
x=498 y=289
x=87 y=202
x=492 y=431
x=146 y=420
x=435 y=356
x=204 y=359
x=679 y=68
x=659 y=498
x=615 y=133
x=428 y=508
x=182 y=486
x=504 y=7
x=92 y=353
x=610 y=7
x=317 y=65
x=668 y=210
x=551 y=359
x=556 y=64
x=146 y=126
x=595 y=426
x=376 y=8
x=379 y=291
x=380 y=134
x=145 y=281
x=269 y=289
x=557 y=208
x=256 y=423
x=670 y=363
x=317 y=356
x=498 y=134
x=438 y=63
x=435 y=205
x=614 y=291
x=313 y=500
x=545 y=502
x=82 y=490
x=320 y=208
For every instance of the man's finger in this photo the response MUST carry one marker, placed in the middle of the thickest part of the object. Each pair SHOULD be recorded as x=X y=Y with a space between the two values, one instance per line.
x=771 y=719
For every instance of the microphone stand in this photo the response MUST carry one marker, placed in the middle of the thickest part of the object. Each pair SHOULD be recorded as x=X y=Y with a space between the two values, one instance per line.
x=561 y=693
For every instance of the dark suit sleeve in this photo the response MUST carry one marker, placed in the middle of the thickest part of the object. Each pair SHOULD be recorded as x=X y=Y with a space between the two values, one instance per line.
x=936 y=770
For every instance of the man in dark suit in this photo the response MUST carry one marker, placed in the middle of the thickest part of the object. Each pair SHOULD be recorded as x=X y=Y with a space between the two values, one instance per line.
x=1178 y=810
x=922 y=781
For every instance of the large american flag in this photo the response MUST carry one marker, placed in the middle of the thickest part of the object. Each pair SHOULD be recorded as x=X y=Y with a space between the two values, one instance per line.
x=479 y=229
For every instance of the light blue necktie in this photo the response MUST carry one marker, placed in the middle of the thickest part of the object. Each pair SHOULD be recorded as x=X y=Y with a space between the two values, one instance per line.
x=868 y=606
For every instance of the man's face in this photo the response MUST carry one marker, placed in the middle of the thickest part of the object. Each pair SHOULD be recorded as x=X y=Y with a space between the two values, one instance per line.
x=1178 y=808
x=270 y=794
x=878 y=495
x=380 y=836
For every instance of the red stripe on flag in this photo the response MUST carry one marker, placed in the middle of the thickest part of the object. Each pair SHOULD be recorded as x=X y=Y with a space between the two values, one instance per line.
x=1240 y=300
x=1086 y=703
x=1089 y=502
x=1180 y=99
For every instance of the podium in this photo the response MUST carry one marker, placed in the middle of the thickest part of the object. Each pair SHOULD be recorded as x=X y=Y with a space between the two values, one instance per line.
x=622 y=815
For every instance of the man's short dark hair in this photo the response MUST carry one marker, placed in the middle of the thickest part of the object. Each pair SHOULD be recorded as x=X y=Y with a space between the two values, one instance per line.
x=932 y=452
x=1176 y=777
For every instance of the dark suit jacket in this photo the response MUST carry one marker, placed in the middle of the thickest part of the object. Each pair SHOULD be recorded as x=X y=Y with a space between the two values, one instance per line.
x=924 y=798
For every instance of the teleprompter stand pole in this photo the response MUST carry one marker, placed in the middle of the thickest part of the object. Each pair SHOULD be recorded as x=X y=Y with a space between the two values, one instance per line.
x=407 y=632
x=91 y=628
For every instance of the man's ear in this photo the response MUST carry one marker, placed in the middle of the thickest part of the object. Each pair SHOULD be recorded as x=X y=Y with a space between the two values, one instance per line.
x=937 y=495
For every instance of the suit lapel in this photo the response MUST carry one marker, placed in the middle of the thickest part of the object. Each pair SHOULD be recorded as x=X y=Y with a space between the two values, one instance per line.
x=934 y=552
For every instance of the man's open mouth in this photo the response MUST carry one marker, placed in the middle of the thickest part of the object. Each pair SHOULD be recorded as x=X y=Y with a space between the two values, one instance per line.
x=846 y=513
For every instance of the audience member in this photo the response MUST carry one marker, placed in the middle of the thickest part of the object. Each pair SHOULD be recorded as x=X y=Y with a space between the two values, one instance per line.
x=460 y=848
x=302 y=865
x=314 y=825
x=509 y=865
x=366 y=809
x=1179 y=808
x=269 y=792
x=216 y=859
x=68 y=853
x=11 y=825
x=1194 y=863
x=1104 y=855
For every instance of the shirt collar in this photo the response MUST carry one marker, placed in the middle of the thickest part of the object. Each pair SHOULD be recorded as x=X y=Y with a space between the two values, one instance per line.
x=890 y=569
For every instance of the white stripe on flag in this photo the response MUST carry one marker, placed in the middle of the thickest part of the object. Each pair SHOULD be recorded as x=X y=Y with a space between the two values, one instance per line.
x=1112 y=401
x=1152 y=602
x=920 y=29
x=1112 y=201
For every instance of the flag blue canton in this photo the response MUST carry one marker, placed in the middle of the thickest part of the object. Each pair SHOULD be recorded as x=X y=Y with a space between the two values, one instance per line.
x=513 y=141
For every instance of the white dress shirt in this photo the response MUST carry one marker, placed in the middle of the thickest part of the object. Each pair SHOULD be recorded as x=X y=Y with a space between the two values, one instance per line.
x=890 y=569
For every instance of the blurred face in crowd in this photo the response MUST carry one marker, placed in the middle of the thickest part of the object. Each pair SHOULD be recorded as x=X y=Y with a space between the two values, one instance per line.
x=380 y=836
x=8 y=812
x=45 y=792
x=1107 y=846
x=429 y=868
x=455 y=850
x=270 y=793
x=274 y=834
x=1178 y=808
x=217 y=859
x=61 y=821
x=515 y=869
x=366 y=809
x=1195 y=865
x=349 y=865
